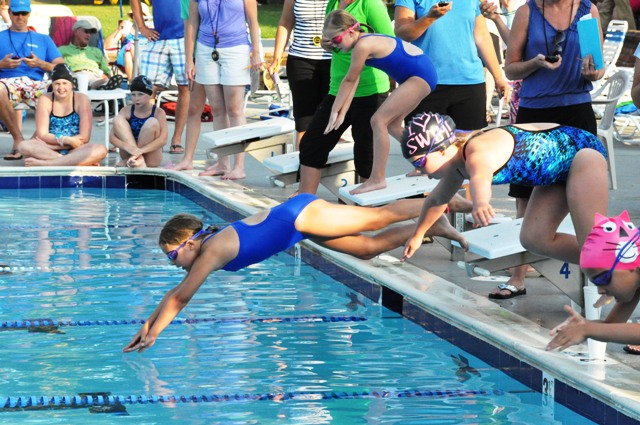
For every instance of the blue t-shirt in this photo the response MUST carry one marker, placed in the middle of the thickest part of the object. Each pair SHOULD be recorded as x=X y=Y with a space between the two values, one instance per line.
x=22 y=44
x=449 y=41
x=167 y=20
x=224 y=17
x=565 y=86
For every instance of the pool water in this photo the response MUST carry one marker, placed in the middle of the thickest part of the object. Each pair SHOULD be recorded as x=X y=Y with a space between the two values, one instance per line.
x=278 y=342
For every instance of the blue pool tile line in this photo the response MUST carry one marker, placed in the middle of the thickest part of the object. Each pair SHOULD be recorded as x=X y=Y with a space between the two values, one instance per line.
x=528 y=375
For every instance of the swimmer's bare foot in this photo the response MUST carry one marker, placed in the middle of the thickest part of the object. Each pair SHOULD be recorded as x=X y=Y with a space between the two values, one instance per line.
x=181 y=166
x=460 y=204
x=369 y=186
x=443 y=228
x=121 y=163
x=33 y=162
x=234 y=175
x=136 y=162
x=217 y=169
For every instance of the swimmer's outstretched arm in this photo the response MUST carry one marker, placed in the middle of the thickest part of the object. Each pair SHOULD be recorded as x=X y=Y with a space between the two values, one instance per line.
x=434 y=206
x=172 y=303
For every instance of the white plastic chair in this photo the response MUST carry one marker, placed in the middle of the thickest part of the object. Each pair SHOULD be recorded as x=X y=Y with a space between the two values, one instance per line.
x=609 y=95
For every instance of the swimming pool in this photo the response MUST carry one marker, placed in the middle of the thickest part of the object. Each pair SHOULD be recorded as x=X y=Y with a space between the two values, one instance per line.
x=279 y=343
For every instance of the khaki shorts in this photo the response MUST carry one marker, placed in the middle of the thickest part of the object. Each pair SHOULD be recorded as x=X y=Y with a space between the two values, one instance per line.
x=231 y=69
x=24 y=90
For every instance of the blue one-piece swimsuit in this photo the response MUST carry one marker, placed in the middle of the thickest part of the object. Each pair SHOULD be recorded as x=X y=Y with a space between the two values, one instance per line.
x=276 y=233
x=542 y=158
x=136 y=123
x=401 y=66
x=69 y=125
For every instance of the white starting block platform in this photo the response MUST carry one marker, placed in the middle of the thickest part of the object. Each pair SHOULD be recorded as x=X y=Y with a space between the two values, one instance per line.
x=398 y=187
x=500 y=248
x=256 y=138
x=339 y=171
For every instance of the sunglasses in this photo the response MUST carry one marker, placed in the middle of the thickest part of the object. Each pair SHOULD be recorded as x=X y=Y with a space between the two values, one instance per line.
x=172 y=255
x=558 y=39
x=604 y=278
x=20 y=13
x=90 y=30
x=338 y=38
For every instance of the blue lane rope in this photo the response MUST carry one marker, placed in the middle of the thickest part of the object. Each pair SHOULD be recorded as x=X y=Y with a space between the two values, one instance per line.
x=71 y=267
x=25 y=324
x=78 y=401
x=77 y=226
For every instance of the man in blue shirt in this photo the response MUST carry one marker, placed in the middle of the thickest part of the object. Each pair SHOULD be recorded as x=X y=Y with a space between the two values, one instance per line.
x=25 y=57
x=164 y=57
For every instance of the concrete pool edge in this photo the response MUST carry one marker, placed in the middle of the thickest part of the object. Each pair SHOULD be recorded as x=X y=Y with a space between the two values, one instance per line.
x=612 y=383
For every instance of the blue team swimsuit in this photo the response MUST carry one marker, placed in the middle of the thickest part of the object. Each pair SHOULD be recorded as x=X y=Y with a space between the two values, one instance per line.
x=136 y=123
x=276 y=233
x=401 y=66
x=69 y=125
x=542 y=158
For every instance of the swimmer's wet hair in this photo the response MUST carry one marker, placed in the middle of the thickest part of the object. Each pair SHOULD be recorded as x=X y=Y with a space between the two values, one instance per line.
x=181 y=227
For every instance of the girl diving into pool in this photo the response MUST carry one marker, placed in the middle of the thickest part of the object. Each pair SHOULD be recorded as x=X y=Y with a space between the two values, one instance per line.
x=567 y=167
x=200 y=250
x=403 y=62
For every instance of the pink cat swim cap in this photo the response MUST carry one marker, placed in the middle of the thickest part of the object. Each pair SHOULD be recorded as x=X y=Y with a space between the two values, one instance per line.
x=611 y=238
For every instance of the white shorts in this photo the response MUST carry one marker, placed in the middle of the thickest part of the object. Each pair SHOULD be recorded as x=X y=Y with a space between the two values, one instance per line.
x=231 y=68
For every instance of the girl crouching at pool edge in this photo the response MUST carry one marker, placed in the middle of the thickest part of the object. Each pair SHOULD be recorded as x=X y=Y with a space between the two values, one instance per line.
x=610 y=257
x=200 y=250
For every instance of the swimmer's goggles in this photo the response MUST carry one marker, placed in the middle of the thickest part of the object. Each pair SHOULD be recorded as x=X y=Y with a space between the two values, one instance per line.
x=604 y=278
x=172 y=255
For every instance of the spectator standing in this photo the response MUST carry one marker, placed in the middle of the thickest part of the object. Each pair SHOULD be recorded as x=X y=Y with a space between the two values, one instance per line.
x=63 y=126
x=164 y=57
x=371 y=92
x=455 y=36
x=308 y=64
x=25 y=57
x=223 y=57
x=542 y=51
x=616 y=9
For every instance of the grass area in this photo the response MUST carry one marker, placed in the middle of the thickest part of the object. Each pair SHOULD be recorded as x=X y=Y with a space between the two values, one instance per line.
x=268 y=16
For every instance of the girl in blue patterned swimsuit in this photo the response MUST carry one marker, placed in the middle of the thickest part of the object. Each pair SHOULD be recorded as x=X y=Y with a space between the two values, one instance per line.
x=140 y=129
x=200 y=251
x=63 y=127
x=567 y=167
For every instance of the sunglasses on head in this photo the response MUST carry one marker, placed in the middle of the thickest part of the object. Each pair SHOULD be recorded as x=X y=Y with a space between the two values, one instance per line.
x=172 y=255
x=604 y=278
x=338 y=38
x=21 y=13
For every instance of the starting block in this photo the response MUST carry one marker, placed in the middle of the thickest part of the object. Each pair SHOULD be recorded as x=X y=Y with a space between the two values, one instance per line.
x=257 y=138
x=339 y=171
x=398 y=187
x=500 y=248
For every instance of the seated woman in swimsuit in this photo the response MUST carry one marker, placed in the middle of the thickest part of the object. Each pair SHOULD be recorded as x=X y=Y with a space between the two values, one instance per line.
x=63 y=126
x=567 y=167
x=140 y=129
x=403 y=62
x=201 y=251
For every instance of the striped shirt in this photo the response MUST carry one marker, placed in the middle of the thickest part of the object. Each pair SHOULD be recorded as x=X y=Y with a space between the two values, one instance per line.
x=309 y=16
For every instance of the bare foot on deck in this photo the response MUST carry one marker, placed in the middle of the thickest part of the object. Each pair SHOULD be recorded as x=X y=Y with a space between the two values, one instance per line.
x=181 y=166
x=460 y=204
x=234 y=175
x=369 y=186
x=121 y=163
x=216 y=169
x=136 y=163
x=34 y=162
x=442 y=227
x=416 y=173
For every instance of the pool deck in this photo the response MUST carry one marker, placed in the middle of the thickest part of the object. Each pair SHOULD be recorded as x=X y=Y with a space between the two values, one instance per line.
x=519 y=325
